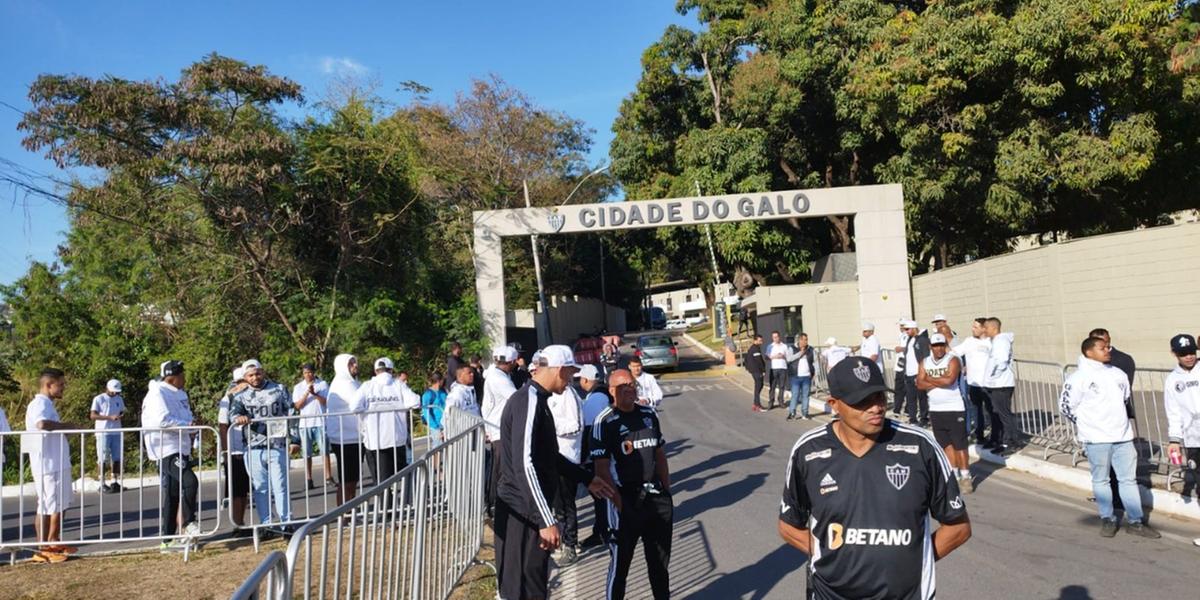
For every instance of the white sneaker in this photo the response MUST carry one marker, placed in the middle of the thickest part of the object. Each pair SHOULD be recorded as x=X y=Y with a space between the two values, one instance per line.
x=1196 y=542
x=192 y=530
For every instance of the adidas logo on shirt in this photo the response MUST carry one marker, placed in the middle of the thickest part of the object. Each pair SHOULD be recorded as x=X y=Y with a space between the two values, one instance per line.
x=828 y=484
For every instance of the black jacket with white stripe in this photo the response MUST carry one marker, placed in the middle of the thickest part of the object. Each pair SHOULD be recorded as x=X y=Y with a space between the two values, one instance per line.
x=529 y=460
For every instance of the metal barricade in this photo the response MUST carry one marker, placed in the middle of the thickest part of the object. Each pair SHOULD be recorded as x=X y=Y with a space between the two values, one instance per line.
x=273 y=572
x=888 y=357
x=272 y=472
x=411 y=536
x=130 y=516
x=1038 y=386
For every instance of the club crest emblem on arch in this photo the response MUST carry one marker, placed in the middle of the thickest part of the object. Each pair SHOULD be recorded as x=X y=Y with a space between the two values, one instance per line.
x=897 y=474
x=862 y=372
x=556 y=221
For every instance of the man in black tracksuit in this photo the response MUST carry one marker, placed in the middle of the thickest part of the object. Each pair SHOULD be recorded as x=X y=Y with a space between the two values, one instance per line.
x=753 y=361
x=530 y=465
x=627 y=450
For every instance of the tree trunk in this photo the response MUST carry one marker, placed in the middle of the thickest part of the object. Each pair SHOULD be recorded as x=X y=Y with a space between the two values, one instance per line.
x=712 y=87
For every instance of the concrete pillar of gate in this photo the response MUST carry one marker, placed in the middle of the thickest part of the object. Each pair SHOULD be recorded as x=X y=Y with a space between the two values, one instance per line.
x=489 y=284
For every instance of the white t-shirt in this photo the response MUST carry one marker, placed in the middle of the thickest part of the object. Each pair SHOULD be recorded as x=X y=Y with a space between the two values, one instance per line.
x=568 y=423
x=48 y=452
x=870 y=347
x=899 y=355
x=834 y=355
x=802 y=369
x=778 y=353
x=943 y=399
x=648 y=390
x=910 y=358
x=108 y=406
x=313 y=409
x=462 y=397
x=237 y=435
x=974 y=352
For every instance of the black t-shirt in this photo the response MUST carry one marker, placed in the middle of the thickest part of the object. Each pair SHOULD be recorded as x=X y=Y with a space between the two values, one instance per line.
x=870 y=517
x=630 y=440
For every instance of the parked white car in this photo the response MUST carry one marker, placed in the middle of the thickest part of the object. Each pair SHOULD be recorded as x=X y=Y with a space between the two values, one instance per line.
x=677 y=324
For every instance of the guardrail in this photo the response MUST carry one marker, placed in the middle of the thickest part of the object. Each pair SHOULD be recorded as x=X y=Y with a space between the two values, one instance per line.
x=273 y=572
x=1035 y=405
x=88 y=516
x=411 y=536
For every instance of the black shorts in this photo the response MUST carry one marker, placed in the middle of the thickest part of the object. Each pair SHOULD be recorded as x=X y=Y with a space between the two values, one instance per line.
x=348 y=456
x=239 y=479
x=949 y=428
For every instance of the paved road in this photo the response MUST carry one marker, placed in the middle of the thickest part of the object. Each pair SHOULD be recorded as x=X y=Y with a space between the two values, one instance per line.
x=1032 y=538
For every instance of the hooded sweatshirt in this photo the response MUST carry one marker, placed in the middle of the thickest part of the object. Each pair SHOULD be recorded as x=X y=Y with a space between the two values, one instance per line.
x=497 y=388
x=999 y=373
x=567 y=411
x=343 y=396
x=1093 y=398
x=1181 y=393
x=166 y=406
x=385 y=402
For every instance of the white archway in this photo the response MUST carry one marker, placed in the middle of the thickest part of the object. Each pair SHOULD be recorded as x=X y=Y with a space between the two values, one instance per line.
x=879 y=237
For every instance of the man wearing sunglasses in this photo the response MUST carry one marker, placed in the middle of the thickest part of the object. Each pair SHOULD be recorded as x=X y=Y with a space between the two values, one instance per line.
x=862 y=493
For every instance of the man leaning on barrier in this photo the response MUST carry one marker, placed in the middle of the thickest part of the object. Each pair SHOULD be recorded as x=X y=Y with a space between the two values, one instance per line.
x=526 y=530
x=266 y=441
x=166 y=407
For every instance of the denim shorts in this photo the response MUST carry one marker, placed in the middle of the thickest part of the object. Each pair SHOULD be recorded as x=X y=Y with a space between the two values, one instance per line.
x=108 y=447
x=310 y=438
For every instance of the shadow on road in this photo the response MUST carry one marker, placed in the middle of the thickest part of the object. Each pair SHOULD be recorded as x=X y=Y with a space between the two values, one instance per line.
x=756 y=580
x=1074 y=592
x=723 y=496
x=716 y=461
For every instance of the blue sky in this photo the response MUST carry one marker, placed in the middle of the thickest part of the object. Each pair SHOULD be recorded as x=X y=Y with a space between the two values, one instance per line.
x=578 y=58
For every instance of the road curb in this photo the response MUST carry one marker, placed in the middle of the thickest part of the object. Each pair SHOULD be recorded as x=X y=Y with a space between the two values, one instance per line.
x=1155 y=500
x=705 y=349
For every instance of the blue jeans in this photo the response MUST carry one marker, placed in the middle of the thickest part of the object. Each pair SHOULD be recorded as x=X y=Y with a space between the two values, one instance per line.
x=801 y=386
x=1122 y=456
x=268 y=469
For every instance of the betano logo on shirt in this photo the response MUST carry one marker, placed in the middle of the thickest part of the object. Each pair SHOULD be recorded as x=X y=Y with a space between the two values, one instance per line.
x=628 y=446
x=854 y=536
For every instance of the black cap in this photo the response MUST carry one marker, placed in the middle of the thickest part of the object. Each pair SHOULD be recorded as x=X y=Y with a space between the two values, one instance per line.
x=171 y=367
x=854 y=379
x=1183 y=344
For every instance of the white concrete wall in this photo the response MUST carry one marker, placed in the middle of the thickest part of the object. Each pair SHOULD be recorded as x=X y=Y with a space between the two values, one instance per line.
x=1143 y=286
x=830 y=309
x=572 y=315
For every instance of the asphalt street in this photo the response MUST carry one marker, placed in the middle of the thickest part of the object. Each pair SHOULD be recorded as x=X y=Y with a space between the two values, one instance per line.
x=1032 y=538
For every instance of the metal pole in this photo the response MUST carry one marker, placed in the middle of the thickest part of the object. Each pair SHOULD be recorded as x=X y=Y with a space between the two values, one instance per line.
x=603 y=288
x=537 y=269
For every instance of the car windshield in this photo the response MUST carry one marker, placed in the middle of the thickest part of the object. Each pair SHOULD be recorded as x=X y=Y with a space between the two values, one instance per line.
x=654 y=341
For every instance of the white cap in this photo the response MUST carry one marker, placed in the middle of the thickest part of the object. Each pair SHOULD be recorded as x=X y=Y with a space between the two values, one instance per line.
x=868 y=326
x=588 y=372
x=384 y=363
x=251 y=364
x=113 y=385
x=239 y=374
x=938 y=317
x=504 y=354
x=533 y=360
x=832 y=341
x=908 y=324
x=936 y=338
x=557 y=356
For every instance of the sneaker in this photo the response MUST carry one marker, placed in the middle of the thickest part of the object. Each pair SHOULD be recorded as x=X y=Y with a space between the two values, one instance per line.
x=568 y=556
x=192 y=529
x=309 y=484
x=756 y=408
x=175 y=545
x=1196 y=542
x=806 y=417
x=790 y=417
x=116 y=487
x=331 y=484
x=966 y=485
x=1142 y=530
x=48 y=557
x=1108 y=527
x=103 y=488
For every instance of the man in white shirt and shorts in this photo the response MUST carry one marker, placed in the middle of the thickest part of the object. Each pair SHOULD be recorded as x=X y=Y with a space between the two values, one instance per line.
x=937 y=375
